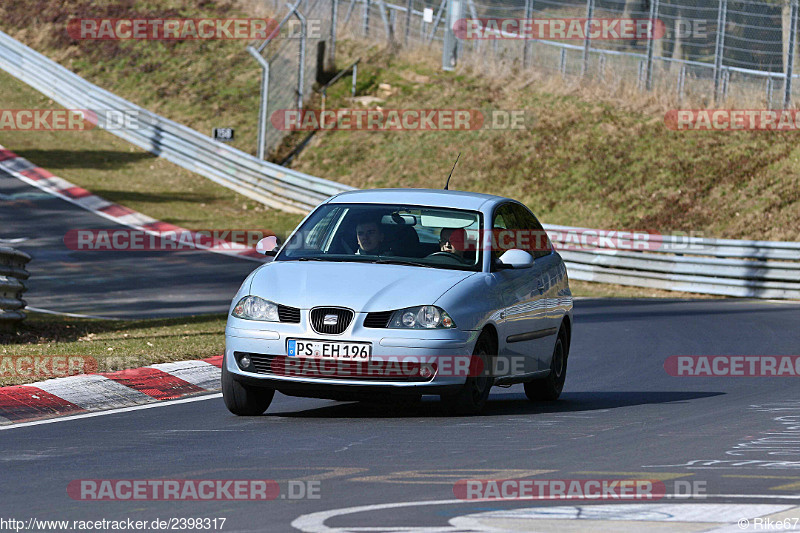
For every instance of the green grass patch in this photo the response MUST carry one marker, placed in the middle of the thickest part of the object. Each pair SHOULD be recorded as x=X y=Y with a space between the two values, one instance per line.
x=114 y=344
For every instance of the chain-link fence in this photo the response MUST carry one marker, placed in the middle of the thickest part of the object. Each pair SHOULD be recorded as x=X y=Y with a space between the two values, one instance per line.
x=703 y=50
x=304 y=25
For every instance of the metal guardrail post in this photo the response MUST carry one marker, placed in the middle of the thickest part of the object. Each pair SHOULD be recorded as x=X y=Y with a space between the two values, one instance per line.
x=355 y=78
x=787 y=86
x=651 y=45
x=586 y=40
x=719 y=50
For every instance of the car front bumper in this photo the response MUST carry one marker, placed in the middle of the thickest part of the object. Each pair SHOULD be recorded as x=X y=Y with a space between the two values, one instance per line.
x=446 y=349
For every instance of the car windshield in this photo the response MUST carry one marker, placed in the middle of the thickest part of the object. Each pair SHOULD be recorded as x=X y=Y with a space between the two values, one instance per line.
x=432 y=237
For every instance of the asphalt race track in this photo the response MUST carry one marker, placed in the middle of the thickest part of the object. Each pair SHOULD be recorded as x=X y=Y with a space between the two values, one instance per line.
x=119 y=284
x=621 y=417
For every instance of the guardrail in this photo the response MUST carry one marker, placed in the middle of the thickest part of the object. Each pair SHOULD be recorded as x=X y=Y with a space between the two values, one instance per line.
x=265 y=182
x=728 y=267
x=758 y=269
x=12 y=275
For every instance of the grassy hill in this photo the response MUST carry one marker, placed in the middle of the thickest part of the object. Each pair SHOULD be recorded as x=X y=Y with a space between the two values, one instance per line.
x=587 y=158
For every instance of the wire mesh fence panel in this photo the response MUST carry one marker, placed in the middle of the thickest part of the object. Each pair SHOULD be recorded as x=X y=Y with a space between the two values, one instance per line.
x=283 y=54
x=701 y=52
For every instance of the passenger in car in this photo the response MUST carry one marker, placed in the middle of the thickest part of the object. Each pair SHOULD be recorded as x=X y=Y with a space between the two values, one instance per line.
x=370 y=237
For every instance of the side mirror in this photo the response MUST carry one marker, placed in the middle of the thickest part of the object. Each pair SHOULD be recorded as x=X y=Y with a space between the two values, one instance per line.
x=516 y=259
x=268 y=246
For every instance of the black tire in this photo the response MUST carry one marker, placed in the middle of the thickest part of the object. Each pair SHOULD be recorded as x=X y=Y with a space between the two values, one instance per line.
x=472 y=397
x=243 y=400
x=549 y=389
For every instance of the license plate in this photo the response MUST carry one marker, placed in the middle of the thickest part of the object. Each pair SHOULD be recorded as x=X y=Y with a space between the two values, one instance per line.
x=345 y=351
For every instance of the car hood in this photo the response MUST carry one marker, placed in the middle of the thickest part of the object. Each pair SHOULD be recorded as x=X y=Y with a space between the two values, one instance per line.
x=361 y=287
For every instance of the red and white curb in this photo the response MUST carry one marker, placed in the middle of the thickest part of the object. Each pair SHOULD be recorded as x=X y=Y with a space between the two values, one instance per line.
x=110 y=390
x=24 y=170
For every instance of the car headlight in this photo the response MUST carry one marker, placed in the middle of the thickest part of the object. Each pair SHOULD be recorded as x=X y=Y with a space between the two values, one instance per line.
x=255 y=308
x=422 y=317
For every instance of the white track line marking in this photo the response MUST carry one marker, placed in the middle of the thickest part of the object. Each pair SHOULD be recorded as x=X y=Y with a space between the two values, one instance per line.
x=111 y=411
x=73 y=315
x=315 y=522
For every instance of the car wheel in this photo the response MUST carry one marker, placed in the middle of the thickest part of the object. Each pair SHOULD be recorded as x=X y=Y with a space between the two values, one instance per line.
x=472 y=397
x=549 y=388
x=244 y=400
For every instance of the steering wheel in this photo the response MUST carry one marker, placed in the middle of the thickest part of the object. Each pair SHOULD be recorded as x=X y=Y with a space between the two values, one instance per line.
x=449 y=255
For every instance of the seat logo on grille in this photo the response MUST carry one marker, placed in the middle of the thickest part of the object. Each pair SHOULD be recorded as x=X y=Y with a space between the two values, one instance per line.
x=330 y=320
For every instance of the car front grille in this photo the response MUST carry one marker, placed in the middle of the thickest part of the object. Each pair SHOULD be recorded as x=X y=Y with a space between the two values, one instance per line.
x=378 y=320
x=282 y=365
x=343 y=319
x=288 y=314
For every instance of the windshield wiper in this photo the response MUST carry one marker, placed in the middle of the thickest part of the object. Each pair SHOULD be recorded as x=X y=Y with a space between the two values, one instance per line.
x=325 y=259
x=400 y=262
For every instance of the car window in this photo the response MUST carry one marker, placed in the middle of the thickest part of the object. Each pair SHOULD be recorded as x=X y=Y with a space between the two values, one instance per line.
x=503 y=220
x=425 y=236
x=532 y=237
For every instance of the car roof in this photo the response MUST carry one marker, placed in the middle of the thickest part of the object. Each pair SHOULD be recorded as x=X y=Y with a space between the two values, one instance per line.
x=427 y=197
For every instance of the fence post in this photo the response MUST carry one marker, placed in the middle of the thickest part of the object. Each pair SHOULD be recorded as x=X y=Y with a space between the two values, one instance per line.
x=719 y=50
x=450 y=44
x=526 y=47
x=787 y=86
x=648 y=83
x=302 y=59
x=332 y=48
x=387 y=26
x=436 y=20
x=589 y=15
x=262 y=107
x=365 y=21
x=409 y=8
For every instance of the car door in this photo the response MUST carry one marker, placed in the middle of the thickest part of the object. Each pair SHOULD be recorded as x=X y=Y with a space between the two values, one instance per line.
x=547 y=270
x=523 y=310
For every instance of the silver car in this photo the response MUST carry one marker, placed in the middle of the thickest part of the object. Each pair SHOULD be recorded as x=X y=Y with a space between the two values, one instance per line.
x=398 y=293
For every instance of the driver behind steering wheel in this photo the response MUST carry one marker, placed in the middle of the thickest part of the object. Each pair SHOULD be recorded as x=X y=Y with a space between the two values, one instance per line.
x=452 y=241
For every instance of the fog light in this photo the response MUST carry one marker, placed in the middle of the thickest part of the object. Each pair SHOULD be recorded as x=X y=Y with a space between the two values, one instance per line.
x=244 y=361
